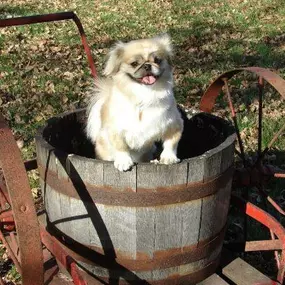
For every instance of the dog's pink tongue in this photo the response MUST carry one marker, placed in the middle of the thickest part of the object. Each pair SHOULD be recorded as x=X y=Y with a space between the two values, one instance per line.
x=148 y=79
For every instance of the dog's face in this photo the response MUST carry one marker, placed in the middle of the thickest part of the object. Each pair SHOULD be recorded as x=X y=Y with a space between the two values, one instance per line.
x=142 y=61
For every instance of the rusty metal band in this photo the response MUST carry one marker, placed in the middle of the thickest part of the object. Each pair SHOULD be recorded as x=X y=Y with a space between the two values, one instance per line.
x=209 y=98
x=161 y=259
x=143 y=197
x=67 y=261
x=23 y=207
x=189 y=279
x=51 y=18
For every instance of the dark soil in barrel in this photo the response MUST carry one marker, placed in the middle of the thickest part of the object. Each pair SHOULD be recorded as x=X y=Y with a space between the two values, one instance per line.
x=202 y=132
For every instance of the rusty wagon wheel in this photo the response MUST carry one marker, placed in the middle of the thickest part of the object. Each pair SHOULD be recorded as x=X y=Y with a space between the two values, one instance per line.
x=19 y=229
x=254 y=169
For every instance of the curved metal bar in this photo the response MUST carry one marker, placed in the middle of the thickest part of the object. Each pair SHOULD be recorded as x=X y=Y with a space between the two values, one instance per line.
x=209 y=98
x=51 y=18
x=24 y=212
x=268 y=221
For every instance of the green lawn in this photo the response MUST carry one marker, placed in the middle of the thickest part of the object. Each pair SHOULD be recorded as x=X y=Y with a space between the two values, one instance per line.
x=43 y=69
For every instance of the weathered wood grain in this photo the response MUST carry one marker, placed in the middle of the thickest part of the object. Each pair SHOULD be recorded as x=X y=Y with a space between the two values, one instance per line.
x=52 y=205
x=95 y=235
x=191 y=218
x=214 y=212
x=66 y=215
x=213 y=280
x=227 y=157
x=152 y=176
x=145 y=231
x=212 y=164
x=119 y=180
x=196 y=169
x=80 y=221
x=241 y=273
x=88 y=170
x=168 y=227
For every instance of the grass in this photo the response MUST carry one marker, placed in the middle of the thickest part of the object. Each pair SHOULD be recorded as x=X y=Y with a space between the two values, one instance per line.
x=43 y=69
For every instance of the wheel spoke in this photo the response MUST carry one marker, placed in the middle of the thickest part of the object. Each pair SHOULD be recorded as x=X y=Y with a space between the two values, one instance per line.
x=277 y=259
x=234 y=118
x=272 y=235
x=260 y=93
x=11 y=252
x=270 y=200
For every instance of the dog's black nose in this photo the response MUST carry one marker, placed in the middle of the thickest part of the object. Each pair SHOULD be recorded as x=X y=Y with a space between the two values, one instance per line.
x=147 y=67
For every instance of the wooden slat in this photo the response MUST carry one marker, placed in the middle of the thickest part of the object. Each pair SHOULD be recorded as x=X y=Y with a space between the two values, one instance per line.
x=241 y=273
x=95 y=224
x=80 y=221
x=88 y=170
x=120 y=180
x=168 y=227
x=152 y=176
x=191 y=218
x=196 y=167
x=212 y=166
x=66 y=214
x=213 y=280
x=121 y=226
x=227 y=157
x=145 y=230
x=212 y=162
x=214 y=212
x=53 y=209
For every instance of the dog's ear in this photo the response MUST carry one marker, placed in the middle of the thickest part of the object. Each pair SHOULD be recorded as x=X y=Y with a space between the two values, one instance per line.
x=114 y=59
x=165 y=40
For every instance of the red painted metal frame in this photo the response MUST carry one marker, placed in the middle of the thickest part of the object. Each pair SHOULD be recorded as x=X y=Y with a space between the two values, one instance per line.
x=209 y=98
x=24 y=213
x=272 y=224
x=24 y=216
x=53 y=245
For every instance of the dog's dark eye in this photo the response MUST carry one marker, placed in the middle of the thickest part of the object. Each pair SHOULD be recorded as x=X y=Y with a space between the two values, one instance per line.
x=157 y=60
x=134 y=64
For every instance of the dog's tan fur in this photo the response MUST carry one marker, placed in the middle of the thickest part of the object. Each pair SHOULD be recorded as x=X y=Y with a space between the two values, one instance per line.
x=134 y=106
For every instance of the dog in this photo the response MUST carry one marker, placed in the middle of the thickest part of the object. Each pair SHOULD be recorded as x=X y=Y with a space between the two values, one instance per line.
x=133 y=106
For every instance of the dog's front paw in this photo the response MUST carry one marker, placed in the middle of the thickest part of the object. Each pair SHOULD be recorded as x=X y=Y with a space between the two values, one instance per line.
x=168 y=157
x=123 y=161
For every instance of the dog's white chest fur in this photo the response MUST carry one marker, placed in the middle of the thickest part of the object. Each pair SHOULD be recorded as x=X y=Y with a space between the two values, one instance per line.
x=146 y=121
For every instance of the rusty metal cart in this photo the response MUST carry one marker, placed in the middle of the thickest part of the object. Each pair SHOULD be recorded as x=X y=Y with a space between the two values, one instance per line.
x=39 y=256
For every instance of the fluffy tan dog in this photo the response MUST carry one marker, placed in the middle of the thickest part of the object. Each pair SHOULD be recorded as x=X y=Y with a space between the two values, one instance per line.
x=134 y=106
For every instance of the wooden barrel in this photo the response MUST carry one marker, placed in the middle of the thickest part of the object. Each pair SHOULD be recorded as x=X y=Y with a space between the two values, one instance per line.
x=155 y=224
